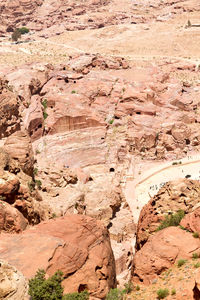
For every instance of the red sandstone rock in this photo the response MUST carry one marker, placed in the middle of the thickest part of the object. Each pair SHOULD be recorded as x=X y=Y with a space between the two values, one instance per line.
x=177 y=195
x=161 y=251
x=77 y=245
x=192 y=221
x=11 y=220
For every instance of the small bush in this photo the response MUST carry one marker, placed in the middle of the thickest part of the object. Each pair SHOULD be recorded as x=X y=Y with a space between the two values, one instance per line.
x=173 y=292
x=77 y=296
x=23 y=30
x=137 y=287
x=46 y=289
x=197 y=265
x=35 y=171
x=128 y=287
x=181 y=262
x=45 y=115
x=31 y=185
x=38 y=184
x=162 y=293
x=172 y=220
x=195 y=235
x=111 y=121
x=44 y=103
x=16 y=35
x=73 y=92
x=115 y=294
x=195 y=255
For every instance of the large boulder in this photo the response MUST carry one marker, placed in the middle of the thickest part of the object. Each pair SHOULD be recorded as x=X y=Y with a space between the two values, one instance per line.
x=11 y=220
x=19 y=147
x=191 y=221
x=161 y=251
x=13 y=285
x=79 y=246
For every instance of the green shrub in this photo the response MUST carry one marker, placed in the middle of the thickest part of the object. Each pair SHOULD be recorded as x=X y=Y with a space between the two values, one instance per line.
x=73 y=92
x=38 y=184
x=111 y=121
x=31 y=185
x=77 y=296
x=23 y=30
x=181 y=262
x=162 y=293
x=46 y=289
x=173 y=292
x=44 y=103
x=172 y=220
x=16 y=35
x=197 y=265
x=195 y=255
x=35 y=171
x=115 y=294
x=45 y=115
x=195 y=235
x=128 y=287
x=137 y=287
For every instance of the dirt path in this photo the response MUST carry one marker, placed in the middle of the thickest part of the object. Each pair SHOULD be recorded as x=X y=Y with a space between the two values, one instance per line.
x=138 y=192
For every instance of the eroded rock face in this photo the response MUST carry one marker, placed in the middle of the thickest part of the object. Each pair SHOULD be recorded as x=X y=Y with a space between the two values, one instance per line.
x=182 y=194
x=192 y=221
x=13 y=285
x=161 y=251
x=19 y=147
x=9 y=110
x=79 y=246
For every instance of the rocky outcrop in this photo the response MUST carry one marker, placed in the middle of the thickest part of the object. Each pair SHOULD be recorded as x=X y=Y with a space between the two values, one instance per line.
x=191 y=221
x=9 y=110
x=13 y=285
x=182 y=194
x=11 y=220
x=19 y=148
x=79 y=246
x=161 y=251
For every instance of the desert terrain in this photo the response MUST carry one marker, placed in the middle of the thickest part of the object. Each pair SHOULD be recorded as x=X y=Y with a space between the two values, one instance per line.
x=99 y=136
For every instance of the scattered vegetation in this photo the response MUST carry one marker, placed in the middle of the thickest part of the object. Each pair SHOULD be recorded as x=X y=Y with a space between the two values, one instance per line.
x=35 y=171
x=111 y=121
x=46 y=289
x=195 y=255
x=44 y=104
x=31 y=186
x=162 y=293
x=41 y=288
x=23 y=30
x=38 y=183
x=172 y=220
x=137 y=287
x=195 y=235
x=77 y=296
x=73 y=92
x=197 y=265
x=115 y=294
x=173 y=292
x=181 y=262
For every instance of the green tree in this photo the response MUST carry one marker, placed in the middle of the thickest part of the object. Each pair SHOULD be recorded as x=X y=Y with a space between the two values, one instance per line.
x=41 y=288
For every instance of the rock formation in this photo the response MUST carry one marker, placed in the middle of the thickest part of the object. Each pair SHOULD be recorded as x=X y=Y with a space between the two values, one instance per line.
x=13 y=285
x=79 y=246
